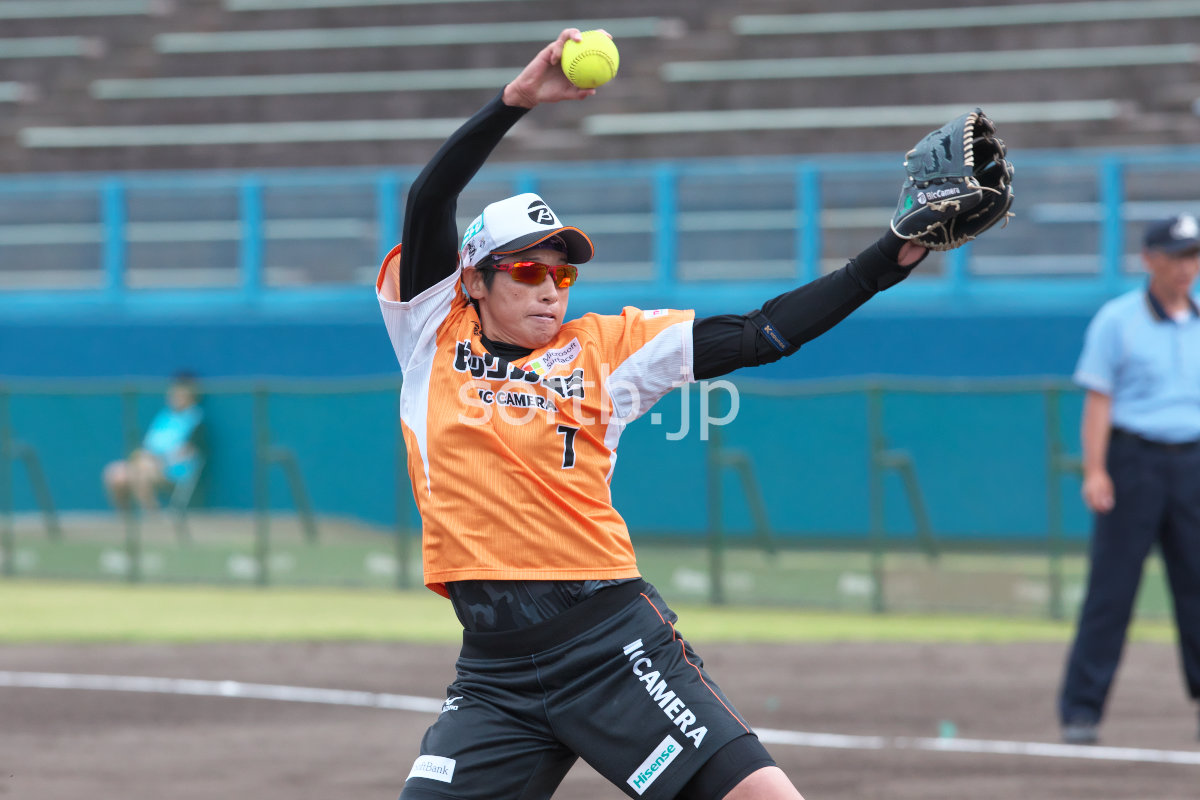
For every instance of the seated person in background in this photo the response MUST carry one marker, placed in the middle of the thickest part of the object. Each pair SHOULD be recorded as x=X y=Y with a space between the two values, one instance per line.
x=169 y=451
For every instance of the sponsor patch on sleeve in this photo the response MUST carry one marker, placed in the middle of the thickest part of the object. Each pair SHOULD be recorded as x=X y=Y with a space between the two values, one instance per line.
x=435 y=768
x=658 y=312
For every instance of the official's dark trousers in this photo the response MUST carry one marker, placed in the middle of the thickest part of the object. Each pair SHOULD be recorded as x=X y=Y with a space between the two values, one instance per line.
x=1157 y=493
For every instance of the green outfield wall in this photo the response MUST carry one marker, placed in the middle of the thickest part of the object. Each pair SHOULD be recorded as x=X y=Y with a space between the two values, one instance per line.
x=304 y=483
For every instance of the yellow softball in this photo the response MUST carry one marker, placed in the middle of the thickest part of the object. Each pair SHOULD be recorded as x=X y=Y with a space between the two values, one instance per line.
x=591 y=62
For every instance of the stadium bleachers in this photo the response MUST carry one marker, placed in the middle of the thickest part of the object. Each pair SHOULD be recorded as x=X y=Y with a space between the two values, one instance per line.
x=445 y=35
x=276 y=5
x=12 y=92
x=67 y=9
x=280 y=133
x=841 y=118
x=129 y=72
x=311 y=83
x=50 y=47
x=931 y=63
x=992 y=15
x=118 y=85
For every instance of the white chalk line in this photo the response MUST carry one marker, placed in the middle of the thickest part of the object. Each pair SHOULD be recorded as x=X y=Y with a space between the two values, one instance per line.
x=198 y=688
x=404 y=702
x=985 y=746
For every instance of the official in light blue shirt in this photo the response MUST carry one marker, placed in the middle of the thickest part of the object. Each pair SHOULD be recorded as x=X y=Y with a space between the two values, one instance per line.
x=1148 y=362
x=1141 y=468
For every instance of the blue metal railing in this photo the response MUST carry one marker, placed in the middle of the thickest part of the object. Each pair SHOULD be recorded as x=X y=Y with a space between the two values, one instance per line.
x=122 y=237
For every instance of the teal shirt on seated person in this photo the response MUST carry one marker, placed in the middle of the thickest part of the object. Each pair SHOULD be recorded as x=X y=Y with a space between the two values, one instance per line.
x=167 y=438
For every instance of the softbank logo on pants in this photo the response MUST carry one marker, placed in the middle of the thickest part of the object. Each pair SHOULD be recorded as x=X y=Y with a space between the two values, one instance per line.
x=654 y=765
x=435 y=768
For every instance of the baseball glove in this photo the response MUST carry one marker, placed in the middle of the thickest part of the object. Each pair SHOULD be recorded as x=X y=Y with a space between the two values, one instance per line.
x=959 y=184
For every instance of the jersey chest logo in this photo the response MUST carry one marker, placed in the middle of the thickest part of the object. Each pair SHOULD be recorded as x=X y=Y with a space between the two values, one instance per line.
x=490 y=367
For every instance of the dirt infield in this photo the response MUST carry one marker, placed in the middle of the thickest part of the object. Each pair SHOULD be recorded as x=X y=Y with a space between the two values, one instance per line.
x=60 y=743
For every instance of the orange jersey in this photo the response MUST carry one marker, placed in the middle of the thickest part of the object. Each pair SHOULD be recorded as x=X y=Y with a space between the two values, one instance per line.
x=511 y=463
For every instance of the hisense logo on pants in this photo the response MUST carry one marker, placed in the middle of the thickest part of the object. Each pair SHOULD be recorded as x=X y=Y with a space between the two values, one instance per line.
x=658 y=760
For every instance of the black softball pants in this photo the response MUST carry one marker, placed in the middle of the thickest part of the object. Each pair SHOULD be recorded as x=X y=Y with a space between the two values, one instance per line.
x=1157 y=494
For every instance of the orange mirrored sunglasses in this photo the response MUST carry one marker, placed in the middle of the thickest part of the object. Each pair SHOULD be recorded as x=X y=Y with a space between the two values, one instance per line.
x=534 y=272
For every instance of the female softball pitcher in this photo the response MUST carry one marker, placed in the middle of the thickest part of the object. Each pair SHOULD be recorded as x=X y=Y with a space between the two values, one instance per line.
x=511 y=418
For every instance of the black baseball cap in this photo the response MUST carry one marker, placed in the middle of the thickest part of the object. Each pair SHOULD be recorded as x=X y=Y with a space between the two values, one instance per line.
x=1177 y=234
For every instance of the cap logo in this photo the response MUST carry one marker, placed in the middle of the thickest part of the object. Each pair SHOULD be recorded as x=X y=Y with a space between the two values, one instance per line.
x=1185 y=227
x=540 y=213
x=474 y=230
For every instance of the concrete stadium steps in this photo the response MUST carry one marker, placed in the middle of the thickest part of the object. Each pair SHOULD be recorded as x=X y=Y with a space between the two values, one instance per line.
x=963 y=62
x=140 y=59
x=13 y=92
x=79 y=9
x=334 y=83
x=461 y=12
x=289 y=5
x=62 y=83
x=965 y=16
x=50 y=47
x=1155 y=99
x=32 y=18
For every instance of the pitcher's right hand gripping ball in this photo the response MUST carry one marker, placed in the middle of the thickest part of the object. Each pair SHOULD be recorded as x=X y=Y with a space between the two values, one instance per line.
x=959 y=184
x=592 y=61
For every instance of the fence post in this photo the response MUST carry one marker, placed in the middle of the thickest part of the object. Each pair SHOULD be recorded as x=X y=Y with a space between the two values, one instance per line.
x=666 y=212
x=24 y=452
x=133 y=547
x=878 y=445
x=262 y=435
x=285 y=457
x=526 y=182
x=113 y=217
x=250 y=255
x=1112 y=225
x=387 y=214
x=956 y=268
x=133 y=531
x=7 y=545
x=808 y=229
x=1054 y=460
x=716 y=522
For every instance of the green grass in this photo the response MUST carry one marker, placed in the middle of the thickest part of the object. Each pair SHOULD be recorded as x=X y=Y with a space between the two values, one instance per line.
x=701 y=623
x=1004 y=586
x=37 y=611
x=44 y=611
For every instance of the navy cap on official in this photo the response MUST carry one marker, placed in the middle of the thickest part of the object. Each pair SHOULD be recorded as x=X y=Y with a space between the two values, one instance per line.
x=519 y=223
x=1177 y=234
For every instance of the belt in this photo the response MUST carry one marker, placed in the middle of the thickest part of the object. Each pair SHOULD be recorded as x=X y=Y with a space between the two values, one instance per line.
x=562 y=627
x=1121 y=433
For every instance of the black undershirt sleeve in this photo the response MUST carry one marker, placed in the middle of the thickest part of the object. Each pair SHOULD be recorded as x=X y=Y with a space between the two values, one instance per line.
x=727 y=342
x=430 y=234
